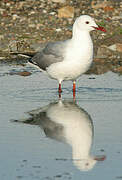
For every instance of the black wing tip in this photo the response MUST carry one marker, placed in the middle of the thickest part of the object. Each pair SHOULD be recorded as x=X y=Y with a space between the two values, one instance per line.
x=30 y=61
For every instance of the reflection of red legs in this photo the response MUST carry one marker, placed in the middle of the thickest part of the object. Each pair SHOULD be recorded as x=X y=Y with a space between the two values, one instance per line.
x=74 y=89
x=59 y=90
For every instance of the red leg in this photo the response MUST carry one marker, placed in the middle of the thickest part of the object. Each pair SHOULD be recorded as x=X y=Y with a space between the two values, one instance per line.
x=59 y=90
x=74 y=86
x=74 y=89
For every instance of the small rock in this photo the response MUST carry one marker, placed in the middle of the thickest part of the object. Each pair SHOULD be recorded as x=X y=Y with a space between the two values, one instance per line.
x=24 y=73
x=15 y=16
x=12 y=46
x=112 y=47
x=119 y=177
x=118 y=70
x=59 y=1
x=103 y=52
x=58 y=30
x=116 y=47
x=1 y=10
x=119 y=47
x=102 y=150
x=1 y=37
x=8 y=4
x=108 y=8
x=38 y=26
x=32 y=12
x=52 y=13
x=97 y=69
x=66 y=12
x=20 y=5
x=99 y=60
x=2 y=58
x=44 y=11
x=32 y=25
x=99 y=4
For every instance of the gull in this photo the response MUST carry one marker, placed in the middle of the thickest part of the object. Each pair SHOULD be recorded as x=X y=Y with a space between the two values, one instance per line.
x=69 y=59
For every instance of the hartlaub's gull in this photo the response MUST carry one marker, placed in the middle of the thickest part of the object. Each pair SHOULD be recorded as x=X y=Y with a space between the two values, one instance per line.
x=67 y=60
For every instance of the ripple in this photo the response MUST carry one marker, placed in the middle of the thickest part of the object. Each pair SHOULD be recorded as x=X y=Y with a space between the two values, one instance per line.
x=102 y=94
x=84 y=93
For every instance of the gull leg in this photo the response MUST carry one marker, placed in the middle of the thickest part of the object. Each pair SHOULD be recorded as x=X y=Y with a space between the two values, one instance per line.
x=59 y=90
x=74 y=89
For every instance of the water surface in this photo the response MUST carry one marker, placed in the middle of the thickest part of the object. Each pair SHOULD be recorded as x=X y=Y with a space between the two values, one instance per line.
x=44 y=138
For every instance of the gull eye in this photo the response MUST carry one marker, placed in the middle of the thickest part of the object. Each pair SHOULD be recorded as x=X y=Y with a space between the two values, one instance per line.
x=87 y=22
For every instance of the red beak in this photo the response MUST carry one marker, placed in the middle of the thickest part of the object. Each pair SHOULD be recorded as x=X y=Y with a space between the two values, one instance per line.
x=100 y=28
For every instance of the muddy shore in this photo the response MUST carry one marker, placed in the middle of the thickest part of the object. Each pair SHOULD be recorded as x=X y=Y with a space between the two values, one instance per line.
x=26 y=25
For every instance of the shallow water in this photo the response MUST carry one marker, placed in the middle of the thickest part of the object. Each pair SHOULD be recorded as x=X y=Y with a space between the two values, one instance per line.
x=47 y=139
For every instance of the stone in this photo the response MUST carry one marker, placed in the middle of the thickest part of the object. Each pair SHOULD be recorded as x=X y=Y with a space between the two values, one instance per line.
x=116 y=47
x=12 y=46
x=119 y=47
x=24 y=73
x=103 y=52
x=66 y=12
x=99 y=61
x=15 y=16
x=105 y=5
x=58 y=29
x=112 y=47
x=32 y=25
x=1 y=37
x=99 y=4
x=118 y=70
x=59 y=1
x=108 y=8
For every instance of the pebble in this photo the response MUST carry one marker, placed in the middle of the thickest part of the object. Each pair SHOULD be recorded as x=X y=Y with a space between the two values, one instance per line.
x=112 y=47
x=118 y=70
x=58 y=30
x=15 y=16
x=1 y=37
x=116 y=47
x=52 y=13
x=119 y=47
x=59 y=1
x=103 y=52
x=32 y=12
x=66 y=12
x=32 y=25
x=99 y=4
x=24 y=73
x=12 y=46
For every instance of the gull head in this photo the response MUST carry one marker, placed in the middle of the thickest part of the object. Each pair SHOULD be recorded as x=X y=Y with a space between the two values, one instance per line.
x=86 y=23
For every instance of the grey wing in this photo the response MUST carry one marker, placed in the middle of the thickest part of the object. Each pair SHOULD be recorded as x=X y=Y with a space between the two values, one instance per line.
x=52 y=53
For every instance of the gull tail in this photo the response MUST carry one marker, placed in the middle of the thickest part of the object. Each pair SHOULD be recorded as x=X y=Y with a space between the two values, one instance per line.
x=28 y=55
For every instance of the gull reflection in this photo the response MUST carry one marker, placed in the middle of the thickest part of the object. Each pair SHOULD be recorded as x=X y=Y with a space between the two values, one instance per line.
x=65 y=121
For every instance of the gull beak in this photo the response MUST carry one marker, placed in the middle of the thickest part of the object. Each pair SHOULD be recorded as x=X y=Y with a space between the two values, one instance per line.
x=99 y=28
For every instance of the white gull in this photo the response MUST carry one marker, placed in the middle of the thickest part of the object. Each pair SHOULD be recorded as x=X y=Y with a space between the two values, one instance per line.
x=67 y=60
